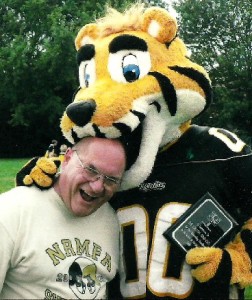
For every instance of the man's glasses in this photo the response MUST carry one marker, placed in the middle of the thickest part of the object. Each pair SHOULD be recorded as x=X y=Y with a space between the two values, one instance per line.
x=93 y=174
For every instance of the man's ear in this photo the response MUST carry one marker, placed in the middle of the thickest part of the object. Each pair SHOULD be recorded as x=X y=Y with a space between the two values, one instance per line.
x=68 y=155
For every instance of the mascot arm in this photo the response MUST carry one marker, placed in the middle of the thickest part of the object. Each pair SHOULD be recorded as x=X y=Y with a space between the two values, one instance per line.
x=39 y=171
x=234 y=259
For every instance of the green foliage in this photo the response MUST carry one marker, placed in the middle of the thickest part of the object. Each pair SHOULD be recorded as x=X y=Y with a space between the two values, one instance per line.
x=219 y=35
x=38 y=68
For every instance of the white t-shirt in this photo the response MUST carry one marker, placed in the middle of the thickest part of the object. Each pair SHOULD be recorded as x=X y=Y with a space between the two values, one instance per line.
x=47 y=253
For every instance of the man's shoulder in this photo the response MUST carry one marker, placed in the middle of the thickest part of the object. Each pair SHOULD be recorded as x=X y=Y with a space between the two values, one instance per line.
x=21 y=205
x=22 y=197
x=21 y=192
x=15 y=193
x=107 y=209
x=107 y=212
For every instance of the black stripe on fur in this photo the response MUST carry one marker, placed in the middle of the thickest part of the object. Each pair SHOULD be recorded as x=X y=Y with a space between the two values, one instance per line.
x=98 y=133
x=168 y=91
x=201 y=79
x=25 y=170
x=138 y=114
x=246 y=236
x=123 y=128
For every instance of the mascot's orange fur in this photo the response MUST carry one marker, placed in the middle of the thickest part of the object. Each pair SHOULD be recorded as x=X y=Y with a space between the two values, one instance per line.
x=137 y=84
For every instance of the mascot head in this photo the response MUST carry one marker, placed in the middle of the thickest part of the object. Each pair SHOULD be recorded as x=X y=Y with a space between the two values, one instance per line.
x=136 y=84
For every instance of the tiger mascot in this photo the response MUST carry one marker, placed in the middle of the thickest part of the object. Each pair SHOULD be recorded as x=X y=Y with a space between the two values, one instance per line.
x=138 y=85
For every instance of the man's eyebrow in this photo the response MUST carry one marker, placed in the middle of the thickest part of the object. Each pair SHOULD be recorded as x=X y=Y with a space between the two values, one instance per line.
x=95 y=169
x=127 y=42
x=91 y=166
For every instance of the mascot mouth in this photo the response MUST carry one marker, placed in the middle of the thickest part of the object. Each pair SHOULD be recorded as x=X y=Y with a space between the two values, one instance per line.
x=129 y=136
x=79 y=122
x=132 y=144
x=80 y=113
x=131 y=140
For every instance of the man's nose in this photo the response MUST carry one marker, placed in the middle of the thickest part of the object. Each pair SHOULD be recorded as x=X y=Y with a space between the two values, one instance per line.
x=97 y=185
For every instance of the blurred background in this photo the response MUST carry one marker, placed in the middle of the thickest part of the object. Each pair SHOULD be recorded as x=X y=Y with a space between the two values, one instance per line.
x=38 y=70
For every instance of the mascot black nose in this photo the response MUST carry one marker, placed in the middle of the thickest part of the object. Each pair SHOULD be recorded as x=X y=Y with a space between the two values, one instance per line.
x=81 y=112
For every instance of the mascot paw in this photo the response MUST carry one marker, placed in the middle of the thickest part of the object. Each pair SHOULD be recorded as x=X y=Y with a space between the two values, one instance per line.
x=28 y=181
x=38 y=171
x=48 y=165
x=206 y=262
x=240 y=254
x=233 y=264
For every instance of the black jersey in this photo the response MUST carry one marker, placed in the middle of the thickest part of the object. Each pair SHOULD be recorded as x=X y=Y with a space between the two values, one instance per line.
x=203 y=160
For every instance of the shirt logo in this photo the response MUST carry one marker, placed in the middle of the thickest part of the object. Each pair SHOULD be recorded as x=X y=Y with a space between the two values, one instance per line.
x=148 y=186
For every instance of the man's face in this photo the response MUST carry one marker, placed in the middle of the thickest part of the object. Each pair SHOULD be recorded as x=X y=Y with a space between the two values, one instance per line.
x=82 y=190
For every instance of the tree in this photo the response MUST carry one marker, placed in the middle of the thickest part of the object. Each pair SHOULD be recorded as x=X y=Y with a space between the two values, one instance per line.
x=38 y=68
x=219 y=35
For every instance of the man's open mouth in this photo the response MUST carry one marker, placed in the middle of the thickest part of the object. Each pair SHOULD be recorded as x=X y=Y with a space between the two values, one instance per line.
x=86 y=197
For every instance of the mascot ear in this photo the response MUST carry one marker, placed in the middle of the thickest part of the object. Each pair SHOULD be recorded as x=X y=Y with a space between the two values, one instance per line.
x=158 y=23
x=86 y=35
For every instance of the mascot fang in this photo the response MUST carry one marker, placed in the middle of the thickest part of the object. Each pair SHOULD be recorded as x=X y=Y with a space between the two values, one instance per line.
x=138 y=85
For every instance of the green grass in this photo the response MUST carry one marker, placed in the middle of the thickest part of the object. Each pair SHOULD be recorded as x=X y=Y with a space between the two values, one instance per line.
x=248 y=293
x=8 y=171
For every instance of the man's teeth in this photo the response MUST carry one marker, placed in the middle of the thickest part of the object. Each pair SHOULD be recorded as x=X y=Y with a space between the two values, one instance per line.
x=86 y=196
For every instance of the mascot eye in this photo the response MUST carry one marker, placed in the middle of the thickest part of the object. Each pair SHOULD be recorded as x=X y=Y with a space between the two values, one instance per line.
x=131 y=70
x=86 y=79
x=127 y=67
x=87 y=74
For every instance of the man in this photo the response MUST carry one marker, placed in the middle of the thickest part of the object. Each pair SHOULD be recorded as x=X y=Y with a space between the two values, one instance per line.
x=52 y=150
x=63 y=242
